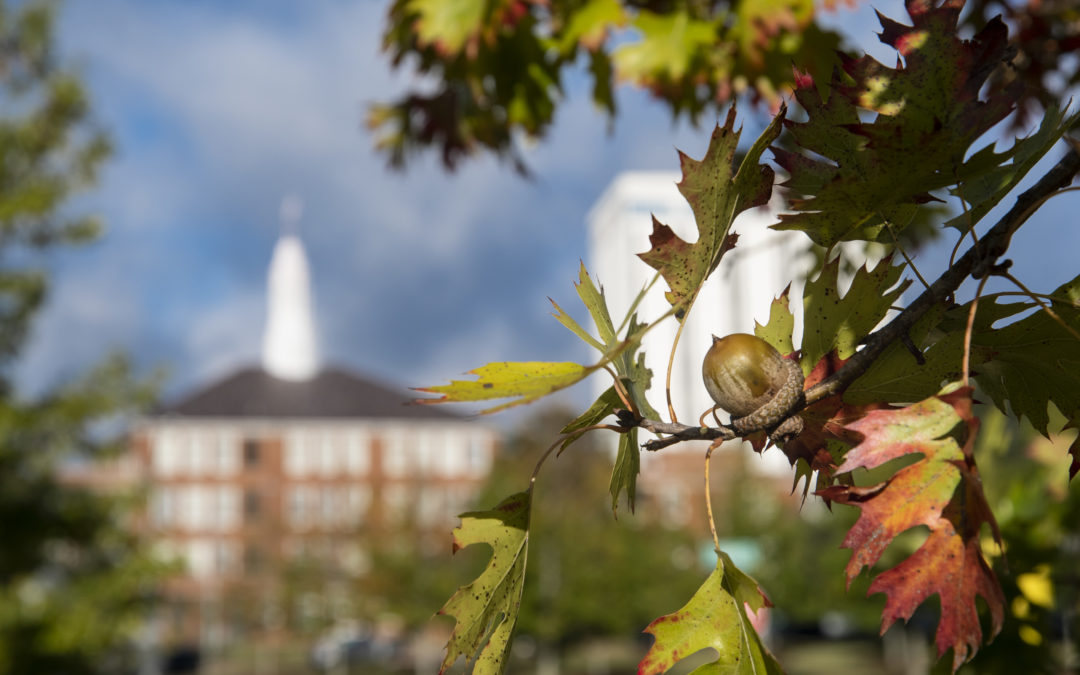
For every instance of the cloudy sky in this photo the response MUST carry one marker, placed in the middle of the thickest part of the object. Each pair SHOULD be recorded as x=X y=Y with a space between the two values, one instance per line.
x=218 y=110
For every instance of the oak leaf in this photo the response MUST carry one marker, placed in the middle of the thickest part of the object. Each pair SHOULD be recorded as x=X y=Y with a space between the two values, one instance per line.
x=856 y=177
x=486 y=609
x=941 y=491
x=714 y=618
x=716 y=195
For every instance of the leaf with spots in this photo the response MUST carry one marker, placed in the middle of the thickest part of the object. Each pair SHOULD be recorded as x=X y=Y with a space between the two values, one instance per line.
x=715 y=618
x=941 y=491
x=523 y=381
x=716 y=195
x=780 y=326
x=852 y=177
x=836 y=322
x=486 y=609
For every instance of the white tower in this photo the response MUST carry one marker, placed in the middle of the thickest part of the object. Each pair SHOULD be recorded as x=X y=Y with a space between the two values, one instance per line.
x=289 y=350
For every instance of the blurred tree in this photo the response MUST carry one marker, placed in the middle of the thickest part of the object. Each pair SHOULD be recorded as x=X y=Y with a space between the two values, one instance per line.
x=73 y=580
x=591 y=578
x=494 y=71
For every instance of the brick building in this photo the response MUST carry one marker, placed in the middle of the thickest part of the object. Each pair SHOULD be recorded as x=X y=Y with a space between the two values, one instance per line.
x=287 y=464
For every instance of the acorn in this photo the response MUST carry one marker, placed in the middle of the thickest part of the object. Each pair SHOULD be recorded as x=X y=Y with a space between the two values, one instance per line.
x=755 y=384
x=743 y=372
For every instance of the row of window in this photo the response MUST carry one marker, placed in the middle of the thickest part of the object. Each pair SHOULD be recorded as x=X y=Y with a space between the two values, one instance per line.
x=210 y=557
x=323 y=452
x=198 y=507
x=332 y=507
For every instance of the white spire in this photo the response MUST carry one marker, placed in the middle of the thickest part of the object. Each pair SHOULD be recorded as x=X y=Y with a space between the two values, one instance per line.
x=289 y=349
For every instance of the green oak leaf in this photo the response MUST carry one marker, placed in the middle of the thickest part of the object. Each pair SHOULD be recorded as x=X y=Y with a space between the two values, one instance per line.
x=625 y=472
x=716 y=197
x=1034 y=361
x=896 y=376
x=487 y=608
x=855 y=177
x=714 y=618
x=982 y=192
x=668 y=46
x=448 y=24
x=840 y=322
x=781 y=325
x=590 y=24
x=601 y=408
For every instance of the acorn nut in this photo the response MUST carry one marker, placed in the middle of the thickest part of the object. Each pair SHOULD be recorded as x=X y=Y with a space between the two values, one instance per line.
x=750 y=380
x=742 y=373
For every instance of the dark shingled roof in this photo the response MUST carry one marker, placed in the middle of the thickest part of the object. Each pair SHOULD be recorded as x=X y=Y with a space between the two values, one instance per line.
x=334 y=393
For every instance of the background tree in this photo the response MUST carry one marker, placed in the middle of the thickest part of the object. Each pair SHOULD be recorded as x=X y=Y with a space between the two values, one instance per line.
x=498 y=66
x=73 y=580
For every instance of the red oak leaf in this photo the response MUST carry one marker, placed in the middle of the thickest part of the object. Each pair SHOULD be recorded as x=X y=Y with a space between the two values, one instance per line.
x=941 y=491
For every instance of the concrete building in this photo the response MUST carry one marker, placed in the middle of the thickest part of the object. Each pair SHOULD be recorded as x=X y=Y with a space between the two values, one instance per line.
x=288 y=463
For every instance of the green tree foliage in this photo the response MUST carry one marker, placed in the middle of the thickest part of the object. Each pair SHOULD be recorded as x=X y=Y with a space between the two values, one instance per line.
x=72 y=579
x=887 y=404
x=498 y=66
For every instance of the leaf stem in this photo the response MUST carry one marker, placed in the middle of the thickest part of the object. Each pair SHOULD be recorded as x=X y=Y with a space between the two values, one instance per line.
x=624 y=395
x=671 y=360
x=708 y=497
x=965 y=364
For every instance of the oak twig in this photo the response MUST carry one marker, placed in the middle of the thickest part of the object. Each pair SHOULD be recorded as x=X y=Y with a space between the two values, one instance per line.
x=978 y=261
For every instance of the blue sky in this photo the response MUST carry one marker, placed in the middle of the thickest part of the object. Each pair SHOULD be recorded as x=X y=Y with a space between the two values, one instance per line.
x=218 y=110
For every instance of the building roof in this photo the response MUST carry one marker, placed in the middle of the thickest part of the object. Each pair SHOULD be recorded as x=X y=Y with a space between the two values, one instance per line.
x=332 y=393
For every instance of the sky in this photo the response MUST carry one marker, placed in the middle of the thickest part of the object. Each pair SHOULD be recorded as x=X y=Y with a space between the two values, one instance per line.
x=219 y=110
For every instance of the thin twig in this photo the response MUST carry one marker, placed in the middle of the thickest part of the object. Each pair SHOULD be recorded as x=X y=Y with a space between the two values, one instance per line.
x=573 y=435
x=965 y=364
x=1045 y=307
x=910 y=262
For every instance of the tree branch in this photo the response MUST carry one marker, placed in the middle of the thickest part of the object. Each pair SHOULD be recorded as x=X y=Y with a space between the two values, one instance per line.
x=977 y=261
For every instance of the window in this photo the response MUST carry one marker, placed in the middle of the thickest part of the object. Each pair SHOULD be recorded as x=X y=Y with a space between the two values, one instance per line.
x=294 y=454
x=394 y=449
x=479 y=459
x=164 y=507
x=431 y=507
x=225 y=460
x=166 y=453
x=359 y=500
x=252 y=506
x=452 y=456
x=327 y=454
x=251 y=453
x=227 y=508
x=199 y=454
x=253 y=559
x=396 y=499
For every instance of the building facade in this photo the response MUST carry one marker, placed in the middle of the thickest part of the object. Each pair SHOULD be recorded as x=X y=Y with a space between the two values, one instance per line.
x=290 y=466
